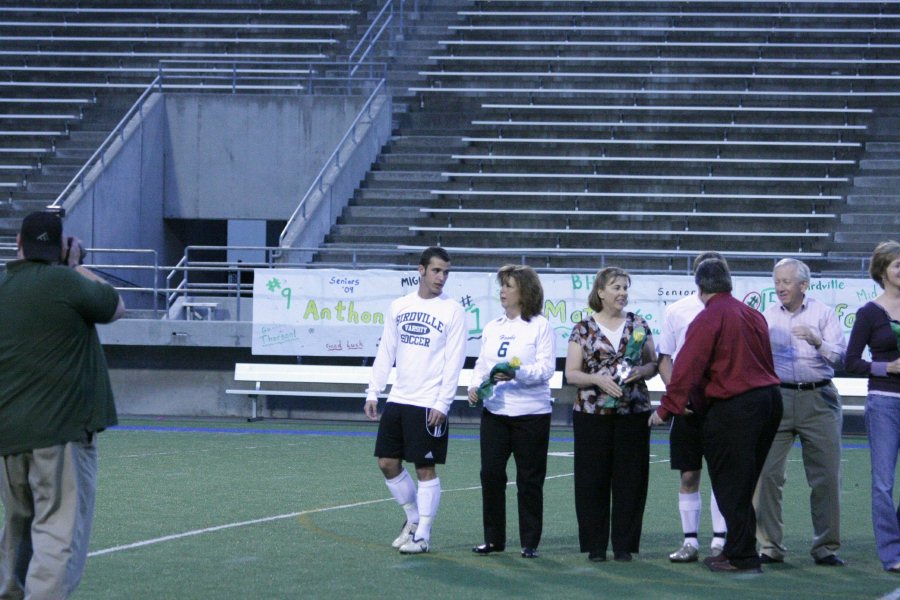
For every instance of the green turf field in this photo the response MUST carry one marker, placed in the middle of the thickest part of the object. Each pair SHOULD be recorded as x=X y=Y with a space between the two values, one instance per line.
x=228 y=509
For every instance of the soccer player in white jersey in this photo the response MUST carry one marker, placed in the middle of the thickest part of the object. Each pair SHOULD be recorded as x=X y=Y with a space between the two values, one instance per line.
x=424 y=336
x=686 y=452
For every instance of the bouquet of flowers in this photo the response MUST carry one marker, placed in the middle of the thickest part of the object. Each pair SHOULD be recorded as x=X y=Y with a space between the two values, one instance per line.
x=487 y=386
x=630 y=358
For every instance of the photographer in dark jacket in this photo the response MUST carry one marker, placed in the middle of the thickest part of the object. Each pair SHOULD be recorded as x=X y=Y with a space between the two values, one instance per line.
x=55 y=396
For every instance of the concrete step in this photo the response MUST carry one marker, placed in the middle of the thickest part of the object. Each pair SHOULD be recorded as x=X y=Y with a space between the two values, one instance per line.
x=879 y=164
x=877 y=182
x=422 y=187
x=52 y=188
x=394 y=213
x=410 y=161
x=873 y=221
x=650 y=204
x=883 y=148
x=370 y=233
x=858 y=199
x=860 y=241
x=427 y=143
x=400 y=197
x=405 y=177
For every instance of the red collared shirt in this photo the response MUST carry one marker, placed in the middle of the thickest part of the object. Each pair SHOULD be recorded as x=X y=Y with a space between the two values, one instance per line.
x=726 y=352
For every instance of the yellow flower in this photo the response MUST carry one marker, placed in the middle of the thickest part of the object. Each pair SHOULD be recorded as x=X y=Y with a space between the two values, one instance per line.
x=639 y=335
x=515 y=363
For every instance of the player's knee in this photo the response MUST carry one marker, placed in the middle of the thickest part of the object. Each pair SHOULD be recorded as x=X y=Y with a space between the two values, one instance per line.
x=425 y=472
x=390 y=467
x=690 y=481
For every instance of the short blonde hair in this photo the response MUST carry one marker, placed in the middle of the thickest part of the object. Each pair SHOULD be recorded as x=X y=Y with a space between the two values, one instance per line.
x=885 y=253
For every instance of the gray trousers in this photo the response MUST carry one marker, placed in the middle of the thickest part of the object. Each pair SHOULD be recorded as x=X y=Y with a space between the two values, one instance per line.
x=815 y=417
x=48 y=500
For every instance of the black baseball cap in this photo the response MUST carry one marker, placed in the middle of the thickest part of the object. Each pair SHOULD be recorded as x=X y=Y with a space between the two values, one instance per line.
x=42 y=236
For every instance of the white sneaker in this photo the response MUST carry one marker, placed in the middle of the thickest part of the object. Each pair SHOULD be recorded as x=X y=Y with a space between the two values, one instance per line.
x=406 y=534
x=415 y=546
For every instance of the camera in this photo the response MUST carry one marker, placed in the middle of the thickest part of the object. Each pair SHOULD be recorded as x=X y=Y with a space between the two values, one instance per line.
x=81 y=252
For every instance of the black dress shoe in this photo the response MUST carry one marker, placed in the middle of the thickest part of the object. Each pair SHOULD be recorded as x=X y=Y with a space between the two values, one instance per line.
x=622 y=556
x=726 y=566
x=597 y=556
x=832 y=560
x=530 y=553
x=765 y=559
x=488 y=548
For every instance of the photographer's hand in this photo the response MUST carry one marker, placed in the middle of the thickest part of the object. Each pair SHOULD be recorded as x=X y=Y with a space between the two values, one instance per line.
x=75 y=253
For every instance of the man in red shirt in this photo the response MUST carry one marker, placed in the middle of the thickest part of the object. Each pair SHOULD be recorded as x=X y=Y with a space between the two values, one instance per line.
x=725 y=369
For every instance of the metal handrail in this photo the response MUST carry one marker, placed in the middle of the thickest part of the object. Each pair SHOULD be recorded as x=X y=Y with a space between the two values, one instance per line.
x=335 y=158
x=235 y=74
x=388 y=6
x=118 y=130
x=133 y=251
x=237 y=289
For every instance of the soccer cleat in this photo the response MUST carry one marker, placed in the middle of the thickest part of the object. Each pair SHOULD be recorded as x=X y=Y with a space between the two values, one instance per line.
x=414 y=546
x=406 y=534
x=716 y=550
x=686 y=554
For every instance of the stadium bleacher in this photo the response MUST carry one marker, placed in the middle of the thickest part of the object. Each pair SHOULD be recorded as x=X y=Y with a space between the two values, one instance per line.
x=571 y=132
x=71 y=70
x=641 y=111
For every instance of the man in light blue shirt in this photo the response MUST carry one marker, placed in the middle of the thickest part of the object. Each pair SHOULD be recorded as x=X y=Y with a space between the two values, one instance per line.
x=807 y=345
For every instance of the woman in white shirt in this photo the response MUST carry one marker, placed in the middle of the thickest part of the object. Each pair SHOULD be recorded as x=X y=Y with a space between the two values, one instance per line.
x=515 y=419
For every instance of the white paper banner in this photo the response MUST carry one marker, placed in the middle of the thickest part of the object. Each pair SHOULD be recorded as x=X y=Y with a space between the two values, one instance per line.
x=333 y=312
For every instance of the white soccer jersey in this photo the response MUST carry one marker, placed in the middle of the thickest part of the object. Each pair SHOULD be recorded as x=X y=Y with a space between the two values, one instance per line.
x=676 y=319
x=426 y=339
x=534 y=344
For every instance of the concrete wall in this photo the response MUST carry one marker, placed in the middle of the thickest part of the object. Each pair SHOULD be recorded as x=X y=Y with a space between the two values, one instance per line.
x=176 y=159
x=121 y=203
x=248 y=157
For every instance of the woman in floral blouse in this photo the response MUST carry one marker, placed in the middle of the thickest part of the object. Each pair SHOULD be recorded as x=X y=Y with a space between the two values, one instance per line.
x=611 y=355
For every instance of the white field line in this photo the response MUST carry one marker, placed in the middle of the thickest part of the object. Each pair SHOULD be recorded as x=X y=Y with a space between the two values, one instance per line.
x=895 y=595
x=178 y=536
x=194 y=532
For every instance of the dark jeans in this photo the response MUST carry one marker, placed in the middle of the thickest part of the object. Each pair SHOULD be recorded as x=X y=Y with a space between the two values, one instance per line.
x=526 y=438
x=612 y=456
x=737 y=435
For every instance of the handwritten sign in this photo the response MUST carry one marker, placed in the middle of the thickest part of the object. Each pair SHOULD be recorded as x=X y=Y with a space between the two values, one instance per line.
x=333 y=312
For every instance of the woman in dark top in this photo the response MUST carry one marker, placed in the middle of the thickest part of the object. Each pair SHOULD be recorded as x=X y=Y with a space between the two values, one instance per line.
x=611 y=354
x=877 y=326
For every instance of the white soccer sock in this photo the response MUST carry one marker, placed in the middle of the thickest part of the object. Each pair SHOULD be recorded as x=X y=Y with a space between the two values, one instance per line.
x=428 y=498
x=689 y=506
x=403 y=489
x=718 y=521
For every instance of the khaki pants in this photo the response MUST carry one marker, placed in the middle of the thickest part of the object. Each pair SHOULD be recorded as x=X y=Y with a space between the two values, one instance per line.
x=48 y=499
x=815 y=417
